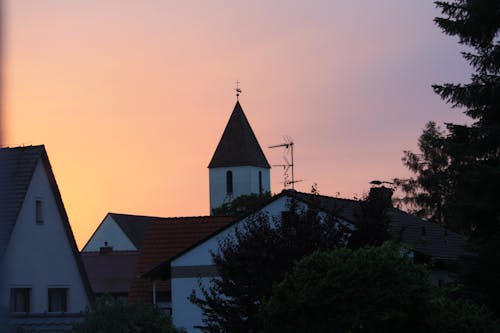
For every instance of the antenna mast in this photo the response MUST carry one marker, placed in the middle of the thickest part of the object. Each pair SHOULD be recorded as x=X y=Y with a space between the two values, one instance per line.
x=288 y=165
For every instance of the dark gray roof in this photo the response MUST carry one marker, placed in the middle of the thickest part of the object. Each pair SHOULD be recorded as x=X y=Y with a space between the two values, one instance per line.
x=134 y=226
x=111 y=272
x=44 y=323
x=17 y=166
x=426 y=237
x=16 y=170
x=422 y=236
x=238 y=145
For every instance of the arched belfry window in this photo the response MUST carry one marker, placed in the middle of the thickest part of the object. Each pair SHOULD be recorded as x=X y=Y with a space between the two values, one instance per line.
x=229 y=182
x=260 y=182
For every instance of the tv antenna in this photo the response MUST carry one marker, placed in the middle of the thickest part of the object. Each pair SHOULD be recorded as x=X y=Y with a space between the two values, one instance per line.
x=288 y=164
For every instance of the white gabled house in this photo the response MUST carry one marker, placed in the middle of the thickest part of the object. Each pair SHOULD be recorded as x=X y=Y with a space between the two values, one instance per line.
x=428 y=241
x=44 y=285
x=119 y=232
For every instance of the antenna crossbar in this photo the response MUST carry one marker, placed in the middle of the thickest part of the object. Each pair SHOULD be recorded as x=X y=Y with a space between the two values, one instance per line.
x=288 y=144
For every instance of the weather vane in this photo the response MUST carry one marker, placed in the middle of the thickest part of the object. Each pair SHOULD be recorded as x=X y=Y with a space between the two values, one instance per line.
x=238 y=90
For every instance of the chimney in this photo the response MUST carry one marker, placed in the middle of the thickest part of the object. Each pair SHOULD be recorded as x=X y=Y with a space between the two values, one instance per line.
x=381 y=196
x=105 y=249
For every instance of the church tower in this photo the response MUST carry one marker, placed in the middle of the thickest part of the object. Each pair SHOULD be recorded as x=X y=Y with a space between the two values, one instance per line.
x=238 y=166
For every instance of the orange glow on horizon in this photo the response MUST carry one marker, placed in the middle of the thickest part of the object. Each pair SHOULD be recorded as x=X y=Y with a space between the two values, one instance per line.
x=130 y=99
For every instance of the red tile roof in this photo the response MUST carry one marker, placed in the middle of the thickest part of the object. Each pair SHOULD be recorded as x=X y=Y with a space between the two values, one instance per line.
x=165 y=238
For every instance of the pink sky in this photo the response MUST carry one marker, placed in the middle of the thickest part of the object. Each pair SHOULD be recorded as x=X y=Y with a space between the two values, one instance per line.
x=131 y=97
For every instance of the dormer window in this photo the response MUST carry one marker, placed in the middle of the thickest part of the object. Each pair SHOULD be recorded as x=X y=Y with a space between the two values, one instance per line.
x=39 y=211
x=229 y=182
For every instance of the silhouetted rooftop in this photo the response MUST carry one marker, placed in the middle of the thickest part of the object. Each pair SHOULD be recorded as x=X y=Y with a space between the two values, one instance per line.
x=238 y=145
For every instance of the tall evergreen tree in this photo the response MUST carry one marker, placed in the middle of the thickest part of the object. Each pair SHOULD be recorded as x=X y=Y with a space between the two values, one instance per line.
x=458 y=173
x=427 y=193
x=475 y=150
x=471 y=172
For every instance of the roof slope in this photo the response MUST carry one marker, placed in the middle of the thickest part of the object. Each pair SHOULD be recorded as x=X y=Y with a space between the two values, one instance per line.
x=423 y=236
x=110 y=272
x=134 y=226
x=166 y=238
x=238 y=145
x=17 y=166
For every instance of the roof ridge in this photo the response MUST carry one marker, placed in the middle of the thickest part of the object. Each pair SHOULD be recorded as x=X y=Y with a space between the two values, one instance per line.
x=169 y=217
x=321 y=195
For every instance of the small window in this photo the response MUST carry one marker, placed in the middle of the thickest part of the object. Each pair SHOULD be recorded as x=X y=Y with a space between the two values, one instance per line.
x=260 y=182
x=39 y=212
x=229 y=182
x=20 y=299
x=58 y=299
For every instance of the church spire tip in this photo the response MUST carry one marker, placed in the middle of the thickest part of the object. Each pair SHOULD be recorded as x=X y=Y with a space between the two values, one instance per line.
x=238 y=91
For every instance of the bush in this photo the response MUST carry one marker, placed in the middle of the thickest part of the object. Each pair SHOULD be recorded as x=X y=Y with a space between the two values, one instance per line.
x=109 y=315
x=368 y=290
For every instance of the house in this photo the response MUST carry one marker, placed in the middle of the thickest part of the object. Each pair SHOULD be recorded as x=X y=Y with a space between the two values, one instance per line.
x=175 y=253
x=111 y=254
x=125 y=246
x=44 y=284
x=165 y=239
x=138 y=243
x=111 y=272
x=194 y=266
x=120 y=232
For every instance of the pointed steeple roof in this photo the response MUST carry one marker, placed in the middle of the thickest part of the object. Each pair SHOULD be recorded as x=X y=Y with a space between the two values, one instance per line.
x=238 y=145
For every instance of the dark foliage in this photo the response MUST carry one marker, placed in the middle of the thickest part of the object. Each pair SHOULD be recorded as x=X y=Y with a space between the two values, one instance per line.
x=449 y=315
x=242 y=204
x=375 y=289
x=458 y=172
x=253 y=258
x=109 y=315
x=465 y=186
x=427 y=194
x=368 y=290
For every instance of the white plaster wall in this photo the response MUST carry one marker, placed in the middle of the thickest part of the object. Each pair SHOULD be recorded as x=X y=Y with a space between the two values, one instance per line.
x=184 y=313
x=245 y=181
x=109 y=231
x=39 y=256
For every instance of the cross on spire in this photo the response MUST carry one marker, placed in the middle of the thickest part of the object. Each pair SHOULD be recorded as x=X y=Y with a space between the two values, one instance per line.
x=238 y=90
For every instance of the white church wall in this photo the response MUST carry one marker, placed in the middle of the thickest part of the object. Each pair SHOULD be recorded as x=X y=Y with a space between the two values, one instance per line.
x=111 y=234
x=245 y=181
x=39 y=255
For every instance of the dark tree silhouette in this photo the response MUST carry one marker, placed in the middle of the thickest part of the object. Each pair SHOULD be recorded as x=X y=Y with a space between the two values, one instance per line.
x=427 y=194
x=253 y=258
x=469 y=168
x=376 y=289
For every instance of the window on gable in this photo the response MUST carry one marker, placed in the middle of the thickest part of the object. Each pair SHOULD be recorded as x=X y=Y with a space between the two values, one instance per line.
x=20 y=299
x=58 y=299
x=39 y=211
x=229 y=182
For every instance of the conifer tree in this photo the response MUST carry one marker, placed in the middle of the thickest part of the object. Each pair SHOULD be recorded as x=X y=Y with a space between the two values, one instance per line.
x=458 y=171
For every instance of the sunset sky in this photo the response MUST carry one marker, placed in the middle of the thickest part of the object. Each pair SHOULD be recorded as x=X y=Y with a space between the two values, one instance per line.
x=131 y=97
